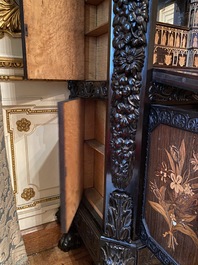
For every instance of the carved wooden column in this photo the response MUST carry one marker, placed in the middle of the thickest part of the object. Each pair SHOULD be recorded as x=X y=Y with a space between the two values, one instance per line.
x=131 y=42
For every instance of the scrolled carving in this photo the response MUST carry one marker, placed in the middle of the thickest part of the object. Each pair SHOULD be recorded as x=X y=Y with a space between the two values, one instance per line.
x=87 y=89
x=119 y=221
x=117 y=254
x=9 y=18
x=129 y=41
x=165 y=93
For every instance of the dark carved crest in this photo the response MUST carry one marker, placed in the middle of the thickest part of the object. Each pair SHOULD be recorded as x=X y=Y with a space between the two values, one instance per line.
x=117 y=254
x=165 y=93
x=177 y=118
x=129 y=41
x=87 y=89
x=119 y=217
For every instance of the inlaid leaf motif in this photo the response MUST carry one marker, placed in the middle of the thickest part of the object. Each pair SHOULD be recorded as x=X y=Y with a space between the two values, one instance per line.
x=177 y=197
x=187 y=231
x=158 y=208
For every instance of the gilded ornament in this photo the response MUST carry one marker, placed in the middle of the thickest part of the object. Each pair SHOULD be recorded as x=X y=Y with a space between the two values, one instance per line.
x=9 y=18
x=10 y=78
x=28 y=194
x=23 y=125
x=11 y=62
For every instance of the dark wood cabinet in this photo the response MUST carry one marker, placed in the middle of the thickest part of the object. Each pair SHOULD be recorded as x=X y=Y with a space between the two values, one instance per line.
x=121 y=114
x=101 y=131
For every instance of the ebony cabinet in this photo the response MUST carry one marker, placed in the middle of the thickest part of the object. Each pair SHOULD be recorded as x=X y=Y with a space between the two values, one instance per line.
x=119 y=107
x=101 y=131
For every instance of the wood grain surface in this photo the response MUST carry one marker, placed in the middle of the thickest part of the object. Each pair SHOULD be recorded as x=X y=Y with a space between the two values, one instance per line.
x=55 y=256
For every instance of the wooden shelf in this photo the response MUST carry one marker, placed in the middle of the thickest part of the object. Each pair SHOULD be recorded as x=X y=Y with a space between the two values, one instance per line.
x=95 y=200
x=182 y=78
x=100 y=30
x=100 y=148
x=93 y=2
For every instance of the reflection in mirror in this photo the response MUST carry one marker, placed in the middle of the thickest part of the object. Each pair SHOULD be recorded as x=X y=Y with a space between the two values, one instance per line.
x=176 y=36
x=173 y=12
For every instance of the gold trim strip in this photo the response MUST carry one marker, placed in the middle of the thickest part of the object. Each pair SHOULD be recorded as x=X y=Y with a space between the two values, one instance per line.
x=6 y=62
x=33 y=204
x=10 y=131
x=11 y=78
x=10 y=18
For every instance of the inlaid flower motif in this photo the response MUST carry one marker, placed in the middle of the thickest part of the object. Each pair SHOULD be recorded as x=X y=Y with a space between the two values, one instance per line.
x=188 y=190
x=177 y=194
x=194 y=161
x=176 y=183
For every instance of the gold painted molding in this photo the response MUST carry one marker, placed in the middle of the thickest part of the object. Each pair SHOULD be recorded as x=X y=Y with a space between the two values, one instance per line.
x=33 y=204
x=11 y=78
x=6 y=62
x=10 y=18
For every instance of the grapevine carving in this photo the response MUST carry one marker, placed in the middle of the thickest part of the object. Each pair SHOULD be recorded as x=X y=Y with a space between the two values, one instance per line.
x=119 y=217
x=129 y=41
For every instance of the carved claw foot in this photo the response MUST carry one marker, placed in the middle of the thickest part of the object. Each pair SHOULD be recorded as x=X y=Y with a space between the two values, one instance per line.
x=70 y=241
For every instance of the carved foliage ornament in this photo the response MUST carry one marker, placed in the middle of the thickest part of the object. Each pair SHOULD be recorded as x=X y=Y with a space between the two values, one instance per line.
x=86 y=89
x=114 y=254
x=119 y=217
x=129 y=41
x=9 y=18
x=163 y=93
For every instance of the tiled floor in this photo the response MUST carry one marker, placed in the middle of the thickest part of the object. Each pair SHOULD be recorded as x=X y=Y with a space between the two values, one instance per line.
x=57 y=257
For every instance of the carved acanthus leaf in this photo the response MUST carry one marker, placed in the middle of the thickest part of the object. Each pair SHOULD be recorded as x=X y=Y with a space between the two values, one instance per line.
x=117 y=254
x=119 y=217
x=9 y=18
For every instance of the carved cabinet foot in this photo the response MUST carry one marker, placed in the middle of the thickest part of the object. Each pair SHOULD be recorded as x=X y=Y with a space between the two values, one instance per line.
x=70 y=240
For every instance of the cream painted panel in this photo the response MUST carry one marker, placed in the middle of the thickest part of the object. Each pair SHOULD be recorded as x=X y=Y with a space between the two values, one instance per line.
x=34 y=161
x=45 y=93
x=33 y=155
x=11 y=47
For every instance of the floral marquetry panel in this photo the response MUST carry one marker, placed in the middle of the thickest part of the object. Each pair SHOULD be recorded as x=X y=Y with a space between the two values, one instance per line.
x=171 y=208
